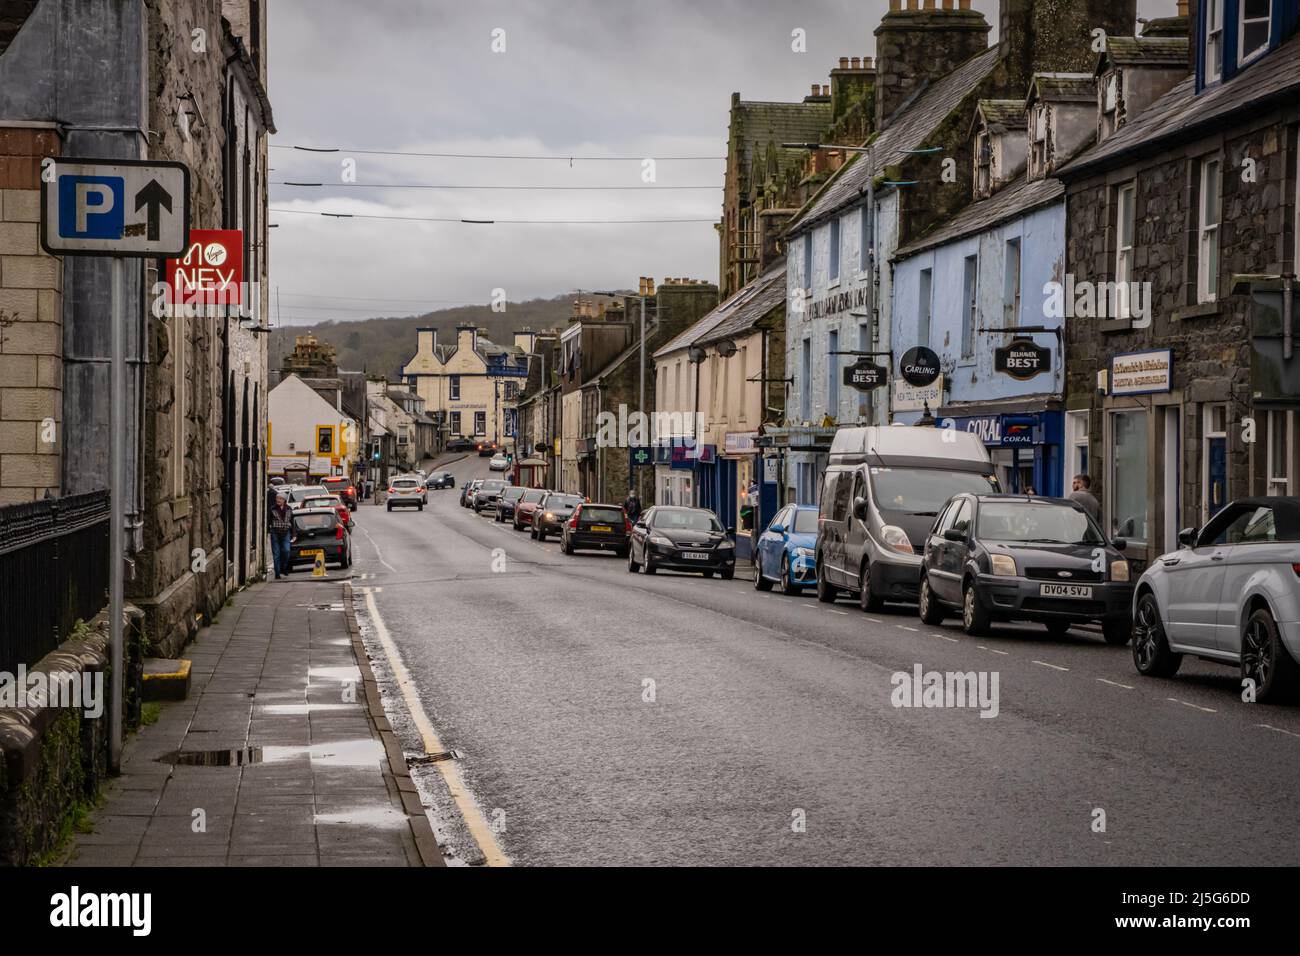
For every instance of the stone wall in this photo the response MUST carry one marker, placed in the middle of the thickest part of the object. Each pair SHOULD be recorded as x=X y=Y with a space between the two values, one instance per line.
x=31 y=326
x=916 y=46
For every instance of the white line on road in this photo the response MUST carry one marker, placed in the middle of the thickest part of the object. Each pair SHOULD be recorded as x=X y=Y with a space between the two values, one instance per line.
x=1055 y=667
x=833 y=611
x=873 y=620
x=947 y=638
x=379 y=554
x=469 y=809
x=1208 y=710
x=1115 y=683
x=906 y=628
x=1278 y=729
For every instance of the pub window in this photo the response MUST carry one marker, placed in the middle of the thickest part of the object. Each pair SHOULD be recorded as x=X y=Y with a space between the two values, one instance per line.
x=455 y=423
x=480 y=423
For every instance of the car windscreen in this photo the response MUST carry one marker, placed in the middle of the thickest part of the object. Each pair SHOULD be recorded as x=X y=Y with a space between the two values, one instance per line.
x=686 y=521
x=492 y=486
x=924 y=491
x=334 y=482
x=512 y=494
x=533 y=495
x=805 y=522
x=299 y=494
x=1035 y=522
x=315 y=522
x=562 y=502
x=406 y=483
x=602 y=515
x=322 y=503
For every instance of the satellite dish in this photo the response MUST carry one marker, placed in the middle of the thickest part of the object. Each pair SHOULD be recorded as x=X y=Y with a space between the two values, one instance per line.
x=727 y=348
x=695 y=354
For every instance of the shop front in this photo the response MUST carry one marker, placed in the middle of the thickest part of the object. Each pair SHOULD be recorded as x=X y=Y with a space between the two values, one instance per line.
x=1024 y=443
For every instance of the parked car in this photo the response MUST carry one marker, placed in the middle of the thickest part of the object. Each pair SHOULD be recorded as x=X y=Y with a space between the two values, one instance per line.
x=487 y=494
x=787 y=550
x=319 y=529
x=526 y=505
x=596 y=527
x=1024 y=558
x=681 y=539
x=440 y=479
x=342 y=486
x=331 y=501
x=407 y=490
x=486 y=448
x=467 y=492
x=1230 y=594
x=295 y=495
x=461 y=443
x=510 y=495
x=880 y=495
x=551 y=512
x=499 y=462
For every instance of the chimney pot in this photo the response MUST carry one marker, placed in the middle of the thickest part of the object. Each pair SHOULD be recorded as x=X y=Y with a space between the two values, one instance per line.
x=947 y=4
x=895 y=5
x=929 y=4
x=963 y=4
x=815 y=88
x=1182 y=8
x=855 y=62
x=844 y=63
x=868 y=63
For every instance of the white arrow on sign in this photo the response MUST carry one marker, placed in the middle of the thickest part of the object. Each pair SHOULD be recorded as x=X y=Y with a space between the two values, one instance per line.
x=115 y=207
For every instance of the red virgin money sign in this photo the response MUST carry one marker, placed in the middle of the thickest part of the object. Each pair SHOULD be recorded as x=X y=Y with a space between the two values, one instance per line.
x=212 y=270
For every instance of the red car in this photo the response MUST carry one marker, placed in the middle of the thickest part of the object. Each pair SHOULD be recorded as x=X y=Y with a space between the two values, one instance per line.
x=526 y=505
x=342 y=486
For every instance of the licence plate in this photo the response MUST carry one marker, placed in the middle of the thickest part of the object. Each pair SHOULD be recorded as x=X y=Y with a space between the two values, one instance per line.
x=313 y=553
x=695 y=555
x=1065 y=590
x=601 y=527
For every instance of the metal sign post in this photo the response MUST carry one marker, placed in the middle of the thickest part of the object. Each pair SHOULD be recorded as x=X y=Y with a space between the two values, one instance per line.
x=119 y=208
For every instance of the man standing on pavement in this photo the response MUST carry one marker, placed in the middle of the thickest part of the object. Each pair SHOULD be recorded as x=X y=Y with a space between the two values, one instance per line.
x=281 y=521
x=1084 y=496
x=632 y=506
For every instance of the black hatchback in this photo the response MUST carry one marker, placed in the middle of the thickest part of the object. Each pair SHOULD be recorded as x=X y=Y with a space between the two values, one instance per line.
x=596 y=528
x=681 y=539
x=1026 y=558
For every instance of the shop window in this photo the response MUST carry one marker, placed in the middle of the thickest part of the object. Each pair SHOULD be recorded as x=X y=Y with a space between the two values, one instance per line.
x=1076 y=444
x=1281 y=449
x=1214 y=460
x=1127 y=485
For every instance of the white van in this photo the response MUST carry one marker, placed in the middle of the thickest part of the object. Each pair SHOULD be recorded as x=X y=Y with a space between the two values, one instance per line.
x=881 y=493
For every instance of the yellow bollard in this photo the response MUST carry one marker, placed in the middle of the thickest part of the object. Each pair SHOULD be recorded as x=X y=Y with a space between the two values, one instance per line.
x=318 y=569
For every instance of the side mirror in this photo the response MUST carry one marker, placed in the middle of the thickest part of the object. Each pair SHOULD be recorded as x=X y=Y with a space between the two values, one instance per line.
x=777 y=529
x=731 y=532
x=860 y=508
x=952 y=534
x=1187 y=537
x=1119 y=544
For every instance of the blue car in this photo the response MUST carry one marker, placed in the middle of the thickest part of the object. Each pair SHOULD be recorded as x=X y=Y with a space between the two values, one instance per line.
x=786 y=550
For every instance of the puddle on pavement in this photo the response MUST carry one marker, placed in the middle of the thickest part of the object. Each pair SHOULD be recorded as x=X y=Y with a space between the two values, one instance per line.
x=344 y=753
x=323 y=606
x=385 y=817
x=348 y=674
x=295 y=710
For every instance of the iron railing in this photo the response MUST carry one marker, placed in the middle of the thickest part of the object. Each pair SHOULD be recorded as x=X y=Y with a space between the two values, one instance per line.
x=53 y=571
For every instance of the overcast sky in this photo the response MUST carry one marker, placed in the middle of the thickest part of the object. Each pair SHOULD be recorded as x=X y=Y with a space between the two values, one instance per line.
x=577 y=78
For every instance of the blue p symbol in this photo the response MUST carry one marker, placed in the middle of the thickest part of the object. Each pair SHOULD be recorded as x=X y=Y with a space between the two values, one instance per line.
x=91 y=207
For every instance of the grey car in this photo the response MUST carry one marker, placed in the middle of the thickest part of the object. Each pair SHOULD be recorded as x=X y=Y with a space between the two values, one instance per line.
x=488 y=494
x=1230 y=594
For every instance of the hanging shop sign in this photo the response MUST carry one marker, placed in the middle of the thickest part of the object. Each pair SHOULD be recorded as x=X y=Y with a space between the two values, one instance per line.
x=1022 y=359
x=865 y=375
x=920 y=366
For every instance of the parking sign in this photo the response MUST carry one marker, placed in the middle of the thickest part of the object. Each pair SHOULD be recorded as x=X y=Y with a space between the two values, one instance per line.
x=115 y=207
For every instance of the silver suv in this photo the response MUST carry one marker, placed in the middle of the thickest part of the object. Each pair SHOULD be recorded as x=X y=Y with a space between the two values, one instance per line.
x=1231 y=594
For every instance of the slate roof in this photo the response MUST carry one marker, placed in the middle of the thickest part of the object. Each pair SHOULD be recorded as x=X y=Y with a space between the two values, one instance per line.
x=908 y=132
x=1064 y=87
x=1182 y=113
x=1020 y=197
x=1146 y=51
x=738 y=314
x=756 y=123
x=1008 y=113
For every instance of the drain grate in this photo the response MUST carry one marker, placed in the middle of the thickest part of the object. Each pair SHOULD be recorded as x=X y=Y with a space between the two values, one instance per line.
x=213 y=758
x=434 y=757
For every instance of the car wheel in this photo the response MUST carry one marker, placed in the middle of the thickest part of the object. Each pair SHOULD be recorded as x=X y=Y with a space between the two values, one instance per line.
x=825 y=593
x=420 y=506
x=390 y=506
x=760 y=583
x=930 y=609
x=1058 y=628
x=632 y=566
x=727 y=575
x=541 y=534
x=650 y=566
x=787 y=585
x=867 y=600
x=1115 y=632
x=566 y=546
x=532 y=532
x=974 y=618
x=1151 y=654
x=707 y=574
x=1266 y=661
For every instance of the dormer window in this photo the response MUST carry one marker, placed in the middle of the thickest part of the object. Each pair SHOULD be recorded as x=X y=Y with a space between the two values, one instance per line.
x=1213 y=40
x=1256 y=21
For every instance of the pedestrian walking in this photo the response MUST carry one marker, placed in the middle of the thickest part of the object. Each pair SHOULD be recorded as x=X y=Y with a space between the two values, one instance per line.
x=1082 y=493
x=632 y=506
x=272 y=490
x=281 y=522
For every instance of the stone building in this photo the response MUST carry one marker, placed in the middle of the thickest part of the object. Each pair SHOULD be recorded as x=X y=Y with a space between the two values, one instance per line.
x=186 y=82
x=1184 y=403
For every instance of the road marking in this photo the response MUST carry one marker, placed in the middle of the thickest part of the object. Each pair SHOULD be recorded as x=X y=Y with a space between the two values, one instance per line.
x=1278 y=729
x=833 y=611
x=1208 y=710
x=1055 y=667
x=906 y=628
x=873 y=620
x=806 y=604
x=378 y=553
x=1115 y=683
x=947 y=638
x=470 y=811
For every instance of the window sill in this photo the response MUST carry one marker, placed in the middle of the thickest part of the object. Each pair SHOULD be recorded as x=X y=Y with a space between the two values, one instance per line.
x=1199 y=311
x=1116 y=325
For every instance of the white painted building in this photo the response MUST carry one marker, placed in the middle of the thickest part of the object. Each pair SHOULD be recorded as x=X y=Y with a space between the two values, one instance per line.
x=306 y=435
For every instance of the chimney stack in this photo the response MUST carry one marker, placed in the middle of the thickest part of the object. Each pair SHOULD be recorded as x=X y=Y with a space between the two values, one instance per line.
x=917 y=45
x=1042 y=36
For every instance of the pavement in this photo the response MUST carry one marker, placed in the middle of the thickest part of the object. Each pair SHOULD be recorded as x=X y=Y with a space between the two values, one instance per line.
x=600 y=717
x=280 y=756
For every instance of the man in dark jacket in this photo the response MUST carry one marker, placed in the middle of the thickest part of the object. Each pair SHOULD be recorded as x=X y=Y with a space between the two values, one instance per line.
x=280 y=520
x=632 y=506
